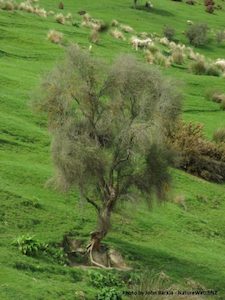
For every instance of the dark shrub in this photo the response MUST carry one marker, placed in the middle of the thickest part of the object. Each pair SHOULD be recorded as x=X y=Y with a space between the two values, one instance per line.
x=61 y=5
x=209 y=9
x=169 y=33
x=197 y=34
x=190 y=2
x=197 y=155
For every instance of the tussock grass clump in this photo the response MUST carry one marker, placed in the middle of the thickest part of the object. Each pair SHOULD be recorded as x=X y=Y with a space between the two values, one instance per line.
x=94 y=36
x=117 y=34
x=152 y=48
x=8 y=5
x=149 y=57
x=197 y=155
x=95 y=24
x=41 y=12
x=213 y=70
x=115 y=23
x=60 y=19
x=55 y=36
x=219 y=135
x=126 y=28
x=178 y=56
x=69 y=17
x=161 y=60
x=216 y=96
x=164 y=41
x=199 y=67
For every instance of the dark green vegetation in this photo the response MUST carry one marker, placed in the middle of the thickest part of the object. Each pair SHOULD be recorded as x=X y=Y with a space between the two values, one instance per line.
x=183 y=243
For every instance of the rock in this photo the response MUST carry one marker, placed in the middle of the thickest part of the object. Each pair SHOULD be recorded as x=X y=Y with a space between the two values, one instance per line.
x=101 y=257
x=116 y=259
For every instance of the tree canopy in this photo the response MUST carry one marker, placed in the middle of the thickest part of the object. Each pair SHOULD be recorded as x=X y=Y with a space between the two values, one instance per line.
x=108 y=127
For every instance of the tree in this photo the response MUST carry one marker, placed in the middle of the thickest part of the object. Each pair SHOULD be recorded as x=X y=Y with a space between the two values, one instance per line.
x=108 y=130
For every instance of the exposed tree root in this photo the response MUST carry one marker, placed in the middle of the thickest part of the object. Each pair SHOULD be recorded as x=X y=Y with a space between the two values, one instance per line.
x=90 y=251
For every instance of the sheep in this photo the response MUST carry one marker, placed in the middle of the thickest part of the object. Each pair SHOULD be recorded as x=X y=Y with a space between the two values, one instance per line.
x=138 y=43
x=220 y=63
x=189 y=22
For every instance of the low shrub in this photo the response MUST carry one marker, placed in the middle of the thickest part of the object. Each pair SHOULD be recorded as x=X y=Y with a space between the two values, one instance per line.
x=109 y=294
x=197 y=155
x=169 y=33
x=197 y=34
x=98 y=280
x=219 y=135
x=29 y=246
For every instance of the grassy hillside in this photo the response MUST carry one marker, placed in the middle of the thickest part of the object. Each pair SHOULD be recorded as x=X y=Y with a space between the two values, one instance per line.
x=183 y=243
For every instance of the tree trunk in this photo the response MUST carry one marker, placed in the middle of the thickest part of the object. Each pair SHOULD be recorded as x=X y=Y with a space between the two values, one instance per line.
x=103 y=228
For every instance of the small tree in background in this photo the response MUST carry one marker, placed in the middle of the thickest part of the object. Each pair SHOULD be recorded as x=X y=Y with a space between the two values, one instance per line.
x=209 y=6
x=197 y=34
x=108 y=131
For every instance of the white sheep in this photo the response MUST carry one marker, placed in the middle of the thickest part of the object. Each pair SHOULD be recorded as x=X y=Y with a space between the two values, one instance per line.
x=220 y=63
x=140 y=43
x=189 y=22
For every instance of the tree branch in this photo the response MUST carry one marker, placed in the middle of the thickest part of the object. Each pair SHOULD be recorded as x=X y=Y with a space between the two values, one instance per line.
x=93 y=203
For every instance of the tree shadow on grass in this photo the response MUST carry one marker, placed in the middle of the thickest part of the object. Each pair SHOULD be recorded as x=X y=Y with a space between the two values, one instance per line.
x=156 y=11
x=180 y=269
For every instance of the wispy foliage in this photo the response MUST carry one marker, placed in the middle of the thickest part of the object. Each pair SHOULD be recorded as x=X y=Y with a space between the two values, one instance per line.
x=108 y=127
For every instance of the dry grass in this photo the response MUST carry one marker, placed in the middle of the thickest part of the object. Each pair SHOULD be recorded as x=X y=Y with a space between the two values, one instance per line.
x=219 y=135
x=94 y=37
x=55 y=36
x=161 y=60
x=178 y=56
x=8 y=5
x=126 y=28
x=114 y=23
x=117 y=34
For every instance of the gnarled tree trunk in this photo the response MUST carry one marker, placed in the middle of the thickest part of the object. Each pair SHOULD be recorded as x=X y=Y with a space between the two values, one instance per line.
x=104 y=216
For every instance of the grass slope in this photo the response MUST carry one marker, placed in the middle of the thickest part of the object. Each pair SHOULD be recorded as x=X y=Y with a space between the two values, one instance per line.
x=182 y=243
